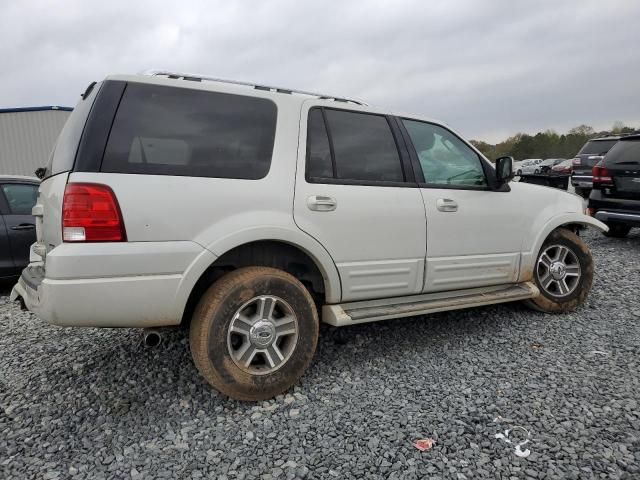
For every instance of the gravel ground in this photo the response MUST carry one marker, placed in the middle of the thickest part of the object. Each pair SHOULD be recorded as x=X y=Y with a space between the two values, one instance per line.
x=86 y=403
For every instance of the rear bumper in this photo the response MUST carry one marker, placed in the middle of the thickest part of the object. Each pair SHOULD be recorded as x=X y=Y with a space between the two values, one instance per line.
x=631 y=219
x=128 y=284
x=612 y=209
x=582 y=181
x=137 y=301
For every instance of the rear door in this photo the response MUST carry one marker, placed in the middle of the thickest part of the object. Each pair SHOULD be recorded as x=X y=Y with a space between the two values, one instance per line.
x=19 y=223
x=356 y=195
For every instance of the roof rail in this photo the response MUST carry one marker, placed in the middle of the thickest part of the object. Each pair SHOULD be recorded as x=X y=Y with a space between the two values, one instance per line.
x=199 y=78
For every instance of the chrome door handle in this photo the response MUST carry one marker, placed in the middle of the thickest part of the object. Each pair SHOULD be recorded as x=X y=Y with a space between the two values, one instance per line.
x=446 y=205
x=320 y=203
x=24 y=226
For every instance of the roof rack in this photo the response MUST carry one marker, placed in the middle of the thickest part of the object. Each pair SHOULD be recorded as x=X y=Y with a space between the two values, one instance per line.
x=198 y=78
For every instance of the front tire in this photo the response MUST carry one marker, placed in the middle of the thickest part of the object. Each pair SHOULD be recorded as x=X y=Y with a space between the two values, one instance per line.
x=563 y=273
x=617 y=230
x=254 y=333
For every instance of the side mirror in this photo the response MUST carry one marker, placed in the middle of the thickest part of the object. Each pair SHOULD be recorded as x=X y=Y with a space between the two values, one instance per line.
x=504 y=169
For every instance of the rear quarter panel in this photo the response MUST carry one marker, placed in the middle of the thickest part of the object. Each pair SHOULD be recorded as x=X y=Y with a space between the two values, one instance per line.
x=219 y=213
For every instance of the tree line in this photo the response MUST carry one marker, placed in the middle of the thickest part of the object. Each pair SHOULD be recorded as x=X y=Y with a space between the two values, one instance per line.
x=547 y=144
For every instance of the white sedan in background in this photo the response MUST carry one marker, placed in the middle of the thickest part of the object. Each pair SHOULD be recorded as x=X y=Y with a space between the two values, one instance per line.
x=530 y=165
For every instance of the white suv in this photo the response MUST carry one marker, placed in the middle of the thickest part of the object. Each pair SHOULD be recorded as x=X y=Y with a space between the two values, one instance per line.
x=251 y=213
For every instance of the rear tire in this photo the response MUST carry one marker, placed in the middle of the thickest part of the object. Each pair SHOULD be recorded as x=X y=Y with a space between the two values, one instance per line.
x=563 y=273
x=617 y=230
x=254 y=333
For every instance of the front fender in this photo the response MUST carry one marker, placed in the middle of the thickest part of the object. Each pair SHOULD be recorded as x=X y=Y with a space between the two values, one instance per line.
x=530 y=253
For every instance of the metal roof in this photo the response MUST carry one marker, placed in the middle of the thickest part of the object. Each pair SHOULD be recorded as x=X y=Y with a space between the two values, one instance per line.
x=35 y=109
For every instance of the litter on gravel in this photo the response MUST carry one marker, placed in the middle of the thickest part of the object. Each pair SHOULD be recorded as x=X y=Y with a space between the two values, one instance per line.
x=518 y=449
x=425 y=444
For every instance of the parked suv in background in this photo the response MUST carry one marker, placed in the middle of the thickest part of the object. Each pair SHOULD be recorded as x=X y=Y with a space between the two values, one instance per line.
x=17 y=225
x=591 y=153
x=615 y=198
x=251 y=213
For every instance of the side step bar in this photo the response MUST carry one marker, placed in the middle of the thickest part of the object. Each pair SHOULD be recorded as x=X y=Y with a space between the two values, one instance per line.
x=374 y=310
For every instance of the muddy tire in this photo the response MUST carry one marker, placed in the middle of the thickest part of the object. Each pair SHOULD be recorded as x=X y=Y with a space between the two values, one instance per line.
x=563 y=273
x=617 y=230
x=254 y=333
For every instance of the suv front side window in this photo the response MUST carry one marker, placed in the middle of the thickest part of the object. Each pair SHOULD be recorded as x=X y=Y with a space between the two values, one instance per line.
x=444 y=158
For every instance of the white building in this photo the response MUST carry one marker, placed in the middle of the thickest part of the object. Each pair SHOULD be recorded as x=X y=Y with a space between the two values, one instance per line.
x=27 y=136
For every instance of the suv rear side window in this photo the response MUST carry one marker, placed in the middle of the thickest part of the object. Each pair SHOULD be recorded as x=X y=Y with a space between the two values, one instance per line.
x=176 y=131
x=352 y=146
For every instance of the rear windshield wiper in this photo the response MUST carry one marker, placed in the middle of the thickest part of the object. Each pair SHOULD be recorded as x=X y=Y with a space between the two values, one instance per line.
x=88 y=90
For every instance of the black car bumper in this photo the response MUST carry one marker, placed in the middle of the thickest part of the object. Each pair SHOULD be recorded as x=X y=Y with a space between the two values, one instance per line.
x=582 y=181
x=614 y=210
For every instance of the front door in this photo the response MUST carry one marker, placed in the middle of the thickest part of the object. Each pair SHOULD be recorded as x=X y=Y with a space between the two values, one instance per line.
x=19 y=223
x=473 y=232
x=356 y=195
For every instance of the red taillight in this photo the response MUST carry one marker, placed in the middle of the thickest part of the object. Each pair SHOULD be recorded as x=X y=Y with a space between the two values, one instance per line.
x=601 y=177
x=90 y=213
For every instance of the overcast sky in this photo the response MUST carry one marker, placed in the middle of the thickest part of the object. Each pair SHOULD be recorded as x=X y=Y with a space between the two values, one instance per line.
x=489 y=69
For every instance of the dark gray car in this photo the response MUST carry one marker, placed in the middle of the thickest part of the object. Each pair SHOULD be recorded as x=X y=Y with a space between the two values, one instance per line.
x=17 y=226
x=591 y=153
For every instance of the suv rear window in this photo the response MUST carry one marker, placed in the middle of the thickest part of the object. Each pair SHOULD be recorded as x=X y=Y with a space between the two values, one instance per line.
x=597 y=147
x=162 y=130
x=625 y=152
x=64 y=152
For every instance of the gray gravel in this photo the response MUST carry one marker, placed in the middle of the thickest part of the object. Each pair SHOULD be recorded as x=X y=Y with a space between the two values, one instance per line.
x=85 y=403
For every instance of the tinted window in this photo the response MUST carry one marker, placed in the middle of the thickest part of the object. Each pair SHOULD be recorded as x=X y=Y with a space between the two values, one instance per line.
x=625 y=152
x=175 y=131
x=444 y=158
x=364 y=147
x=64 y=152
x=597 y=147
x=319 y=162
x=20 y=197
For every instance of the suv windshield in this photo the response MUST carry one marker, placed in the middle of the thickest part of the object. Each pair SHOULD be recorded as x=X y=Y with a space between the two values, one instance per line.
x=624 y=152
x=597 y=147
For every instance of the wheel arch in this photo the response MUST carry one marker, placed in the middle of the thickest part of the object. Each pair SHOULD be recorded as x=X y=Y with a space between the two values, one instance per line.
x=571 y=221
x=311 y=264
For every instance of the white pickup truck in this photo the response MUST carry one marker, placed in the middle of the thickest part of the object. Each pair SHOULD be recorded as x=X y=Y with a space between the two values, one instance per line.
x=251 y=213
